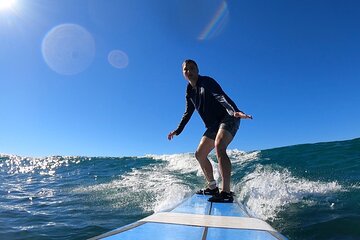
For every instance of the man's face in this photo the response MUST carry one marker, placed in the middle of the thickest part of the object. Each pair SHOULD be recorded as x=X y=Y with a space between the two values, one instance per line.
x=190 y=71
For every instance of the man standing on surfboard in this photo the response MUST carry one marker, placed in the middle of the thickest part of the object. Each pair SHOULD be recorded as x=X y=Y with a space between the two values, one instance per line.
x=222 y=119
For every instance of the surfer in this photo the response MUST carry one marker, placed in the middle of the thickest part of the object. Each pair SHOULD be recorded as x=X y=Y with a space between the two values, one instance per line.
x=222 y=119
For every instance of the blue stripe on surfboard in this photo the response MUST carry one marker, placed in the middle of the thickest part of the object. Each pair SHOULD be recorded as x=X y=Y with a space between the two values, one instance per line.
x=151 y=231
x=197 y=204
x=218 y=233
x=228 y=209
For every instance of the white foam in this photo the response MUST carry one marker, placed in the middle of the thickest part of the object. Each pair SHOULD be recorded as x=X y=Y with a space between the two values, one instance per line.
x=152 y=188
x=265 y=191
x=184 y=162
x=156 y=187
x=173 y=195
x=187 y=163
x=238 y=156
x=355 y=186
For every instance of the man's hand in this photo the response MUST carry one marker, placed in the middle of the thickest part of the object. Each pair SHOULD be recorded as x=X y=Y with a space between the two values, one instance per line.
x=171 y=135
x=242 y=115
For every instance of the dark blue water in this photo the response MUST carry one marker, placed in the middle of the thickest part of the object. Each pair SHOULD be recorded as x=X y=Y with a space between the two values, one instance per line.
x=309 y=191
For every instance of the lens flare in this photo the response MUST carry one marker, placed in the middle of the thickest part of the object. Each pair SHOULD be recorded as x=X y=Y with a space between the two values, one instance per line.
x=68 y=49
x=118 y=59
x=217 y=23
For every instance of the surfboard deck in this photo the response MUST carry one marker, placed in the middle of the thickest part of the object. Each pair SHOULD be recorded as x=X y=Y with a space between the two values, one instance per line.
x=196 y=218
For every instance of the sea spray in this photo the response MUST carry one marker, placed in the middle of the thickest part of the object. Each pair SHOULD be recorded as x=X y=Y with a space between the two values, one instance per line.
x=307 y=191
x=266 y=191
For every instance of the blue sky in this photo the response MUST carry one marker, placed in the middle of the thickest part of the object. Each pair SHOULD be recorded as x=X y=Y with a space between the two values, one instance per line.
x=103 y=78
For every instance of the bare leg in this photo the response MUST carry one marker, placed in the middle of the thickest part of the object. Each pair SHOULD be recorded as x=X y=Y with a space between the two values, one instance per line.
x=203 y=150
x=222 y=141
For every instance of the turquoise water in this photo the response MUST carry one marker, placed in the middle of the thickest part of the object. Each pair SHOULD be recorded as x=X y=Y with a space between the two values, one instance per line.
x=309 y=191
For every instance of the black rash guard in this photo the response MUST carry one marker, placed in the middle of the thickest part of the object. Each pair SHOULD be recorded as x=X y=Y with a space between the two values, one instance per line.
x=210 y=101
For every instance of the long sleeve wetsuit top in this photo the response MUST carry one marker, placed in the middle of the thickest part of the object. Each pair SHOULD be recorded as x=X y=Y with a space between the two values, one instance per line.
x=211 y=102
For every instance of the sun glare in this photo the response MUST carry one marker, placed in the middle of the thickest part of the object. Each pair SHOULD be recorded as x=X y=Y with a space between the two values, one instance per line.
x=6 y=4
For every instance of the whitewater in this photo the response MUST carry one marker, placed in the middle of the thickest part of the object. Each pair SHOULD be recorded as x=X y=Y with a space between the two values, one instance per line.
x=309 y=191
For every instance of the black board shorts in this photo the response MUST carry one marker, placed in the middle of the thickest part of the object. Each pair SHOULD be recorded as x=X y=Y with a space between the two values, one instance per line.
x=229 y=123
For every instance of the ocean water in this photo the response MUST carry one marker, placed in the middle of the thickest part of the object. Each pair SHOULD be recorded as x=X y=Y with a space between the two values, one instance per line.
x=309 y=191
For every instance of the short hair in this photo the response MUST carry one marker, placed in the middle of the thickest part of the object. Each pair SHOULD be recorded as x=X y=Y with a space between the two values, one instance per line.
x=191 y=61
